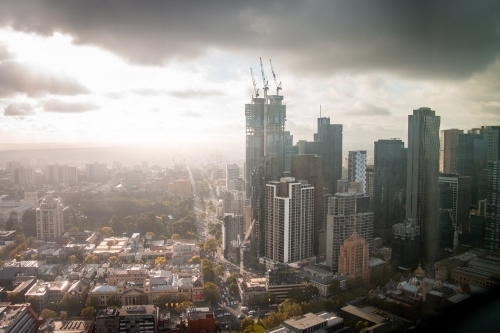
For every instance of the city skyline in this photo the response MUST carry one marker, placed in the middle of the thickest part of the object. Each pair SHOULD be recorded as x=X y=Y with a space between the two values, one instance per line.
x=76 y=74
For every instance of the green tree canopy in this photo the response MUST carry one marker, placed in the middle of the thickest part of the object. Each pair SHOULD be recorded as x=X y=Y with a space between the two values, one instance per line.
x=211 y=292
x=48 y=314
x=87 y=312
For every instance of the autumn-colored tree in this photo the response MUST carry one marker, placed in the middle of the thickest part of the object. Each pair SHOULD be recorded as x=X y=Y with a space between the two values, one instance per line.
x=246 y=322
x=63 y=315
x=181 y=307
x=91 y=259
x=113 y=260
x=194 y=260
x=211 y=292
x=160 y=261
x=72 y=259
x=106 y=231
x=163 y=300
x=181 y=297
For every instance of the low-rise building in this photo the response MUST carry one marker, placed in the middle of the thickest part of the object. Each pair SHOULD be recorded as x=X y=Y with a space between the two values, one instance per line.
x=251 y=288
x=46 y=292
x=281 y=280
x=322 y=279
x=66 y=326
x=310 y=322
x=14 y=268
x=18 y=318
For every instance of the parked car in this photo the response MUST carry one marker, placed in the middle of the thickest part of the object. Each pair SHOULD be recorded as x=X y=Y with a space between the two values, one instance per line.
x=220 y=315
x=227 y=313
x=241 y=316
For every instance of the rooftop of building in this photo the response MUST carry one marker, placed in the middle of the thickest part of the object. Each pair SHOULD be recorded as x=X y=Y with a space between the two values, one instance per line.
x=9 y=314
x=362 y=314
x=137 y=310
x=304 y=322
x=65 y=326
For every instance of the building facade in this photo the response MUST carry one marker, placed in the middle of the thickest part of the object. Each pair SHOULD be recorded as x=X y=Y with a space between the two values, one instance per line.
x=49 y=219
x=356 y=171
x=448 y=147
x=354 y=258
x=289 y=220
x=406 y=244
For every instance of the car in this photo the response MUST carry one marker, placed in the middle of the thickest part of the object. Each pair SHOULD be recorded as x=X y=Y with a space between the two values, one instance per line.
x=241 y=316
x=250 y=316
x=220 y=309
x=227 y=313
x=252 y=312
x=220 y=315
x=266 y=313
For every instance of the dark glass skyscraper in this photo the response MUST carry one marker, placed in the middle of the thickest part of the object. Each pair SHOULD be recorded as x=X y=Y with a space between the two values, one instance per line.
x=492 y=220
x=327 y=144
x=389 y=186
x=422 y=191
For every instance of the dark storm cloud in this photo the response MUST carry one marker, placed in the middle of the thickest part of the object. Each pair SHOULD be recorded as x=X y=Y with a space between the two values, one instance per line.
x=447 y=39
x=19 y=109
x=17 y=78
x=55 y=105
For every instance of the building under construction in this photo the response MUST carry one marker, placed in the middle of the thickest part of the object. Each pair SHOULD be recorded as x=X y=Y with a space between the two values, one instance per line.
x=265 y=153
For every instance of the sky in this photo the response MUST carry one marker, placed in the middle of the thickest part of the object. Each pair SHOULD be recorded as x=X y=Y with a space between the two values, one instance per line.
x=178 y=72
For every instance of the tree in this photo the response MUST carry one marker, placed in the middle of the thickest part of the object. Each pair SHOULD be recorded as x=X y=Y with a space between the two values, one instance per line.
x=72 y=259
x=334 y=288
x=92 y=301
x=163 y=300
x=91 y=259
x=160 y=261
x=87 y=312
x=52 y=306
x=310 y=291
x=69 y=303
x=296 y=294
x=9 y=225
x=211 y=292
x=113 y=260
x=246 y=322
x=181 y=307
x=361 y=325
x=273 y=320
x=14 y=298
x=113 y=301
x=219 y=270
x=181 y=297
x=48 y=314
x=194 y=260
x=33 y=301
x=63 y=315
x=211 y=246
x=106 y=231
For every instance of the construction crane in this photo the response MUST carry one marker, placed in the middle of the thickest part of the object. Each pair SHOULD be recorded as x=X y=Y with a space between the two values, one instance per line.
x=266 y=83
x=255 y=89
x=278 y=86
x=242 y=245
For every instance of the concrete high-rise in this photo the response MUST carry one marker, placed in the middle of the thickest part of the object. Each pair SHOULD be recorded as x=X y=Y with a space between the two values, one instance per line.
x=422 y=190
x=49 y=219
x=327 y=144
x=347 y=212
x=448 y=147
x=289 y=220
x=232 y=173
x=356 y=170
x=308 y=167
x=389 y=186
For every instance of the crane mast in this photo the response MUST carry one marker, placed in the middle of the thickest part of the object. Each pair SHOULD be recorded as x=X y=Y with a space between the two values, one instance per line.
x=266 y=83
x=278 y=86
x=255 y=89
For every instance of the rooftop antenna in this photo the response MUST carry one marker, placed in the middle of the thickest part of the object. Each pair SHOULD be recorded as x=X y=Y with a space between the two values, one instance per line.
x=278 y=86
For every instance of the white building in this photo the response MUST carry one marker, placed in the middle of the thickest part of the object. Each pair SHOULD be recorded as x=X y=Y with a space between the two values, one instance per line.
x=49 y=219
x=356 y=171
x=289 y=220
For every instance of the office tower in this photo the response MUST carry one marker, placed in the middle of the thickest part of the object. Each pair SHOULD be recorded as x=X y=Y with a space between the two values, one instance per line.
x=406 y=244
x=389 y=186
x=308 y=168
x=471 y=160
x=422 y=191
x=327 y=144
x=60 y=174
x=49 y=219
x=369 y=180
x=448 y=147
x=492 y=218
x=356 y=171
x=455 y=200
x=341 y=222
x=492 y=138
x=233 y=233
x=354 y=258
x=289 y=220
x=22 y=175
x=232 y=173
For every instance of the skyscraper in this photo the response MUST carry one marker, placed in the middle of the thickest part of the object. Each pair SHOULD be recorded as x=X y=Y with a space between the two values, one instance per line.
x=232 y=173
x=389 y=186
x=289 y=220
x=308 y=167
x=356 y=171
x=49 y=219
x=354 y=258
x=422 y=191
x=406 y=244
x=448 y=147
x=344 y=217
x=492 y=219
x=327 y=144
x=254 y=114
